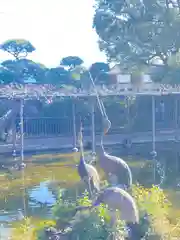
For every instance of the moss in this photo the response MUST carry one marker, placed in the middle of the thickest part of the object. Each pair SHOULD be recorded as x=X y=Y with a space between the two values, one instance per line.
x=15 y=183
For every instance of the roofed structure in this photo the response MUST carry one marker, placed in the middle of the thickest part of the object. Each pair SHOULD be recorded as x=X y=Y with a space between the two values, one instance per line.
x=35 y=91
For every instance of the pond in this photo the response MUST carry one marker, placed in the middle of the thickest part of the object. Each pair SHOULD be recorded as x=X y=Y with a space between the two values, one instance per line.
x=33 y=192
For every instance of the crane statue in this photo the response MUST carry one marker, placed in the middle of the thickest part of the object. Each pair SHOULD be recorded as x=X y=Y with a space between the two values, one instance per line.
x=118 y=199
x=116 y=168
x=87 y=172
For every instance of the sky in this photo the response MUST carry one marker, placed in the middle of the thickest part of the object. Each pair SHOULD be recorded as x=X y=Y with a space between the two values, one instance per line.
x=57 y=28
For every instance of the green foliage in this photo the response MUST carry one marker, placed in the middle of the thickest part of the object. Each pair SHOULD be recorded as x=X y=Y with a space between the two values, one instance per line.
x=86 y=225
x=71 y=61
x=168 y=73
x=23 y=70
x=155 y=202
x=95 y=223
x=100 y=74
x=77 y=72
x=64 y=209
x=58 y=75
x=6 y=76
x=18 y=47
x=136 y=32
x=137 y=77
x=99 y=67
x=71 y=73
x=30 y=229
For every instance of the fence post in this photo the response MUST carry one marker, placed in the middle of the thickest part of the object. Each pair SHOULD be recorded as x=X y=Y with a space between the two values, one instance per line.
x=93 y=127
x=154 y=154
x=74 y=125
x=22 y=129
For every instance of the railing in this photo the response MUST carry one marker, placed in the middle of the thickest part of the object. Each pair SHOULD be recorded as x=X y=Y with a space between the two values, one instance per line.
x=47 y=127
x=34 y=91
x=51 y=127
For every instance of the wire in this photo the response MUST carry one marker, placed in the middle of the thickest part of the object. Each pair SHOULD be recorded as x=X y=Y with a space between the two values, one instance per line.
x=100 y=103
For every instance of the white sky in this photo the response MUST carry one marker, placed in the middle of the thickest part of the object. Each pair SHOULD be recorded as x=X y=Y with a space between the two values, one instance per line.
x=57 y=28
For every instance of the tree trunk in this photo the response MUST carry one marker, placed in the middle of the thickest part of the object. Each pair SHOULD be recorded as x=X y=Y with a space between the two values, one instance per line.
x=137 y=79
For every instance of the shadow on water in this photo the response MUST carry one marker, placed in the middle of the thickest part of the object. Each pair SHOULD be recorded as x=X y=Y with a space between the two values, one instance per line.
x=34 y=193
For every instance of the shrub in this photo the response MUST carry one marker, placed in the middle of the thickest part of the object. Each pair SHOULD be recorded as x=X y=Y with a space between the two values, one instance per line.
x=154 y=210
x=155 y=203
x=85 y=225
x=29 y=229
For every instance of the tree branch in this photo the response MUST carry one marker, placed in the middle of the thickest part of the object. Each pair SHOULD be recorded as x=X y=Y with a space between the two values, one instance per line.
x=178 y=3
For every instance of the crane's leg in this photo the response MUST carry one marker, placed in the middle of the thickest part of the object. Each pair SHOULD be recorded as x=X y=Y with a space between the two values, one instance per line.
x=89 y=186
x=113 y=179
x=77 y=191
x=113 y=223
x=113 y=217
x=81 y=187
x=134 y=232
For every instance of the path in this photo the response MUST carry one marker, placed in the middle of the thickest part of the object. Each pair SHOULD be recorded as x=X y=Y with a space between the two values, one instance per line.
x=55 y=143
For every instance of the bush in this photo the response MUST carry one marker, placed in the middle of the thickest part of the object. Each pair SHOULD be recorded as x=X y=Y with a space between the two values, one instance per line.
x=154 y=210
x=29 y=229
x=86 y=224
x=155 y=203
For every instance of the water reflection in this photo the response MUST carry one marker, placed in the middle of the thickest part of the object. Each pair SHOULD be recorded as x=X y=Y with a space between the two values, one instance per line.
x=4 y=232
x=36 y=193
x=6 y=216
x=42 y=195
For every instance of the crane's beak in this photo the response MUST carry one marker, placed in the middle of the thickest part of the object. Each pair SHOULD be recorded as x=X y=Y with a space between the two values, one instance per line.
x=107 y=125
x=106 y=131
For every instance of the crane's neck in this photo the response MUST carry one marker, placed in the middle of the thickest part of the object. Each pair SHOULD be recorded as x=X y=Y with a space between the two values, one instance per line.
x=101 y=143
x=81 y=153
x=82 y=163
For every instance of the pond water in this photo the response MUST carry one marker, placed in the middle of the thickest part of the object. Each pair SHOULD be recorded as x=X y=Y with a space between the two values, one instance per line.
x=32 y=192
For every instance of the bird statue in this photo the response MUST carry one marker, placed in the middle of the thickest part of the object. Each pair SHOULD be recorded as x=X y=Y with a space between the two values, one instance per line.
x=113 y=166
x=118 y=199
x=116 y=168
x=87 y=172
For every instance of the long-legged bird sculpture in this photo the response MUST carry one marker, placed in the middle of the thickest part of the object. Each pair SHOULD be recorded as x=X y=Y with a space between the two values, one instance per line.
x=114 y=166
x=87 y=172
x=118 y=199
